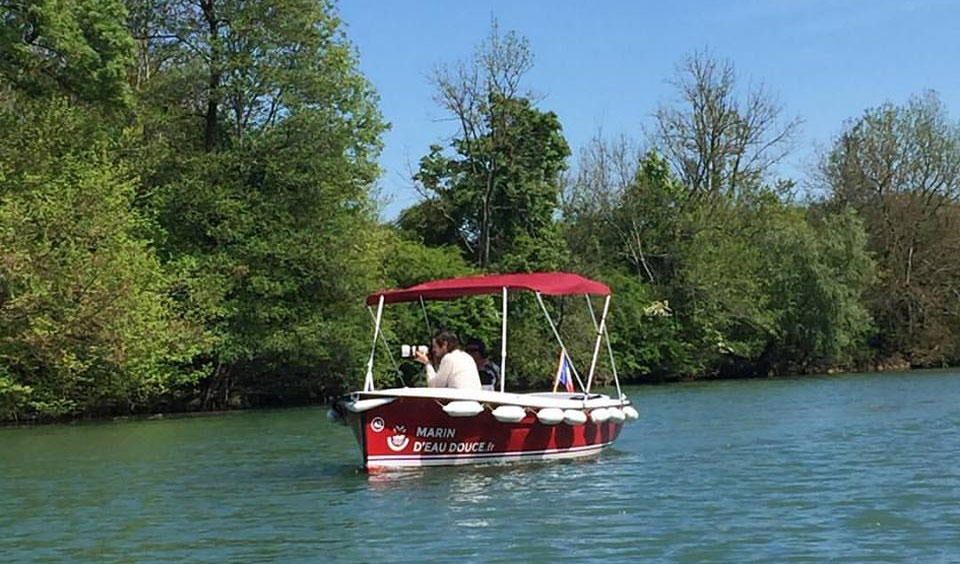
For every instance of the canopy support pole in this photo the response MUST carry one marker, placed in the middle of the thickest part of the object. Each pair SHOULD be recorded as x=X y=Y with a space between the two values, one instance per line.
x=559 y=340
x=426 y=319
x=368 y=379
x=503 y=342
x=606 y=335
x=593 y=316
x=613 y=366
x=596 y=347
x=386 y=345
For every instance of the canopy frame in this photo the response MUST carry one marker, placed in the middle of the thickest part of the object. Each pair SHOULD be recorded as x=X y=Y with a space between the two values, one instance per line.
x=550 y=283
x=563 y=348
x=368 y=379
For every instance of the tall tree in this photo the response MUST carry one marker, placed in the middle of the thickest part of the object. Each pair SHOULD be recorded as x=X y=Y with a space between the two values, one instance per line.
x=761 y=288
x=260 y=146
x=718 y=140
x=86 y=321
x=741 y=283
x=899 y=166
x=628 y=204
x=499 y=191
x=241 y=66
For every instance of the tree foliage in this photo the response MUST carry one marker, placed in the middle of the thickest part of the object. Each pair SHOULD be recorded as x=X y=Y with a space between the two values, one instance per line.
x=499 y=191
x=262 y=185
x=763 y=289
x=899 y=167
x=741 y=282
x=718 y=140
x=249 y=222
x=495 y=193
x=86 y=322
x=187 y=218
x=79 y=48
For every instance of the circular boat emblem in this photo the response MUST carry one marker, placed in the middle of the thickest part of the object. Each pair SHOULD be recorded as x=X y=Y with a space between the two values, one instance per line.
x=377 y=424
x=398 y=442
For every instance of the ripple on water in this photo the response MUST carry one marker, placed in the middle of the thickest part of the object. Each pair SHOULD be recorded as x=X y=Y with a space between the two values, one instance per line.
x=859 y=468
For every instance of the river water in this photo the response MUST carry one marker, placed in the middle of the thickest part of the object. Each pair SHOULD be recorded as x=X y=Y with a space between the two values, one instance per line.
x=852 y=468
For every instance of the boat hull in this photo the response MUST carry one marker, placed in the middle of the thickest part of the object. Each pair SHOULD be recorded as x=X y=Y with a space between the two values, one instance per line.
x=414 y=432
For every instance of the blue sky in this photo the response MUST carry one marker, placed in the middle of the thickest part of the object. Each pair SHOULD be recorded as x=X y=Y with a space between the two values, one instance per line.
x=605 y=65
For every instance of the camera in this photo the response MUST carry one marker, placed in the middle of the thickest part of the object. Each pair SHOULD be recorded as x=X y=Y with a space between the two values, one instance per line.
x=407 y=351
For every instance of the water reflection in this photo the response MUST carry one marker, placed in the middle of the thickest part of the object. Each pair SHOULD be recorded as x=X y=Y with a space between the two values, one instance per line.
x=470 y=487
x=740 y=471
x=384 y=481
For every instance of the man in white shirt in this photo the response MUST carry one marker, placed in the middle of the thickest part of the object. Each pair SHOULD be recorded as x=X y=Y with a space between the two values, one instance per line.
x=456 y=368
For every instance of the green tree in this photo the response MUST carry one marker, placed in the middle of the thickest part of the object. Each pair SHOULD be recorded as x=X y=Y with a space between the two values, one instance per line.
x=506 y=216
x=625 y=209
x=822 y=273
x=79 y=48
x=763 y=290
x=498 y=192
x=629 y=220
x=494 y=194
x=899 y=167
x=227 y=69
x=741 y=282
x=86 y=324
x=260 y=140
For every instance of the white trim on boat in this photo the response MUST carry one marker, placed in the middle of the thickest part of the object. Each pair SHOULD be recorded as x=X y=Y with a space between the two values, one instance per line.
x=396 y=461
x=539 y=400
x=360 y=406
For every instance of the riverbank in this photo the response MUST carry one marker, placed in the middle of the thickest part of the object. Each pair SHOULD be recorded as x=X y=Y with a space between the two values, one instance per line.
x=187 y=409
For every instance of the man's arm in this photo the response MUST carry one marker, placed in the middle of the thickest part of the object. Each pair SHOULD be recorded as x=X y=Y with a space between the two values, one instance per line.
x=436 y=379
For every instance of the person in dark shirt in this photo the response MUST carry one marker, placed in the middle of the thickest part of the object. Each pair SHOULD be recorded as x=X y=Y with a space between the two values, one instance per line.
x=489 y=371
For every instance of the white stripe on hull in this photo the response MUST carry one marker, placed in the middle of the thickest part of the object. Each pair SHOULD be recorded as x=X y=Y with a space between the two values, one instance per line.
x=407 y=461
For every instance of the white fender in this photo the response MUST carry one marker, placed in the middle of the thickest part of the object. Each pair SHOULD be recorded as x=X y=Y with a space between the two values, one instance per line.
x=550 y=415
x=359 y=406
x=509 y=413
x=631 y=413
x=599 y=415
x=574 y=417
x=463 y=408
x=616 y=414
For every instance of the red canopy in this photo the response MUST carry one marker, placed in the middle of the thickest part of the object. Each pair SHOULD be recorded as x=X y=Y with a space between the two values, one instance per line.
x=551 y=283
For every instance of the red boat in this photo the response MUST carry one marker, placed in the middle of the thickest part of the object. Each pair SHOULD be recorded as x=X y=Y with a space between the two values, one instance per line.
x=411 y=427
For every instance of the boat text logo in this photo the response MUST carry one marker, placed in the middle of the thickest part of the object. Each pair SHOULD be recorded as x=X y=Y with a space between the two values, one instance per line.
x=399 y=440
x=377 y=424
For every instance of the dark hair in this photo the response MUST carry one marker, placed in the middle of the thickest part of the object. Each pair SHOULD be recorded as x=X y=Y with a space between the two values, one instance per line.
x=448 y=338
x=476 y=345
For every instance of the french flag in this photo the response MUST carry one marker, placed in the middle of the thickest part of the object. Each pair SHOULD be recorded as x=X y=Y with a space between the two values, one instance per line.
x=564 y=373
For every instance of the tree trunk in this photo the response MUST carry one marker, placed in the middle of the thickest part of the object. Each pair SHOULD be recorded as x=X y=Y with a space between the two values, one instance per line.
x=211 y=136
